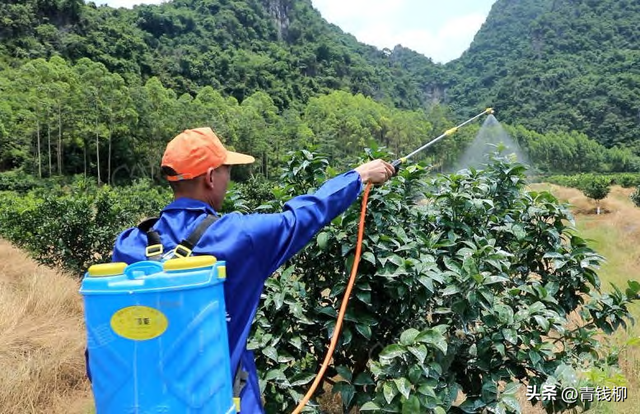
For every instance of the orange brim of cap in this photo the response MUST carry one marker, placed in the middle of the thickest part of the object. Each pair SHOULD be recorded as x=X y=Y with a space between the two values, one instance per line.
x=235 y=158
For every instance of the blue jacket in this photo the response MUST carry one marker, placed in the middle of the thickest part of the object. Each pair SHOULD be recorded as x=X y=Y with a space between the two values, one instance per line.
x=253 y=246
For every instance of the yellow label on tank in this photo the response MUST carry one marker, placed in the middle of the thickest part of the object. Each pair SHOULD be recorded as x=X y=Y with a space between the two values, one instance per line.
x=139 y=323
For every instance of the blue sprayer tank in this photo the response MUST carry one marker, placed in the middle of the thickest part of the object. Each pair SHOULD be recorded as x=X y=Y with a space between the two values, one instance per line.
x=157 y=337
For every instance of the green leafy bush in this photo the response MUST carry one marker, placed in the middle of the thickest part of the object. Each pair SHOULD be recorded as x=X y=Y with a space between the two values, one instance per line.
x=17 y=180
x=466 y=283
x=625 y=180
x=74 y=226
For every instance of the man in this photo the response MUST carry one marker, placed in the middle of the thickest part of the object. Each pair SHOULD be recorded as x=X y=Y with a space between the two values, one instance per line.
x=255 y=245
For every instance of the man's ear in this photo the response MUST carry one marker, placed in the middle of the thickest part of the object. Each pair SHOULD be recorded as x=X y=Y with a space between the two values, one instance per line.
x=209 y=177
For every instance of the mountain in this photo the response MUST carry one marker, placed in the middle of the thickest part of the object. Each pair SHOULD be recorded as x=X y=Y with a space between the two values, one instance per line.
x=556 y=65
x=282 y=47
x=549 y=65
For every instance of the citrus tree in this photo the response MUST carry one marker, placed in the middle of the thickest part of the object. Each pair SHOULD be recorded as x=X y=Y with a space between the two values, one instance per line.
x=595 y=187
x=465 y=292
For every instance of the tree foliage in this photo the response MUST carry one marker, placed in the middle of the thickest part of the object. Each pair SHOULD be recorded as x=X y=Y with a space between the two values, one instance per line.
x=595 y=187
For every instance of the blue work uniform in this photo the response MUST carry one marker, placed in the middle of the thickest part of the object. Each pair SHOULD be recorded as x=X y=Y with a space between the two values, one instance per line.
x=253 y=246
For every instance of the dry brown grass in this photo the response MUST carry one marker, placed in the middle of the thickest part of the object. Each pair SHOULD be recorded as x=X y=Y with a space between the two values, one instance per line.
x=41 y=338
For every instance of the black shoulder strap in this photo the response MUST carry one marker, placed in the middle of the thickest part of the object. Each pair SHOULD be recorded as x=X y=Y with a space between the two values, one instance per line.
x=186 y=245
x=155 y=249
x=154 y=244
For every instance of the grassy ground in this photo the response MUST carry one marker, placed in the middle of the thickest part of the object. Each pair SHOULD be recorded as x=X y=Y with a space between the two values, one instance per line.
x=616 y=236
x=42 y=335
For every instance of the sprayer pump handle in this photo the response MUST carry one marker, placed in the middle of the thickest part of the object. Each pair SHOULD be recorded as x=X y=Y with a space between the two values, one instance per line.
x=396 y=166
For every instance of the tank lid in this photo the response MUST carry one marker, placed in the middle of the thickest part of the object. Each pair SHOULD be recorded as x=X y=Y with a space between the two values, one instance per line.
x=193 y=262
x=107 y=269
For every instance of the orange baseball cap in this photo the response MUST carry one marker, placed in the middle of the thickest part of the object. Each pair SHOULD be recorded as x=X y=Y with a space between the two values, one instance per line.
x=194 y=151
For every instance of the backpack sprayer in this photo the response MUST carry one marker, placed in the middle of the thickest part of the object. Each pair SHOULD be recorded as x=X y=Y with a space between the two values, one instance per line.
x=336 y=332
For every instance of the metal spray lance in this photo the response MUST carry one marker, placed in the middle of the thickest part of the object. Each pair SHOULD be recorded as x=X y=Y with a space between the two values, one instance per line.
x=396 y=164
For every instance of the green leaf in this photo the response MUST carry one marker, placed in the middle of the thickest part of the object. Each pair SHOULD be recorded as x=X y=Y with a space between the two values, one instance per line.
x=415 y=373
x=534 y=357
x=389 y=390
x=364 y=330
x=489 y=391
x=363 y=378
x=347 y=391
x=450 y=290
x=275 y=374
x=518 y=231
x=510 y=335
x=296 y=342
x=365 y=297
x=439 y=410
x=347 y=336
x=537 y=307
x=426 y=282
x=344 y=372
x=428 y=390
x=634 y=341
x=495 y=279
x=328 y=310
x=472 y=405
x=511 y=403
x=505 y=313
x=391 y=352
x=420 y=352
x=542 y=323
x=396 y=260
x=411 y=406
x=271 y=353
x=404 y=386
x=370 y=406
x=498 y=408
x=369 y=257
x=409 y=336
x=511 y=388
x=432 y=337
x=302 y=378
x=284 y=357
x=323 y=238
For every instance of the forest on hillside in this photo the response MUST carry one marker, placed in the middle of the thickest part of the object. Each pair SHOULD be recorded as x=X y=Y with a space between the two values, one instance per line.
x=99 y=91
x=557 y=65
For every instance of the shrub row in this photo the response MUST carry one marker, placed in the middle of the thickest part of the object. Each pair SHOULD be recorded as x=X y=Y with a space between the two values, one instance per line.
x=74 y=226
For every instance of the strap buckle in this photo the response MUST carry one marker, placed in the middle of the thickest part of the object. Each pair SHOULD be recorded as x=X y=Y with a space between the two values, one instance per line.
x=154 y=250
x=182 y=251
